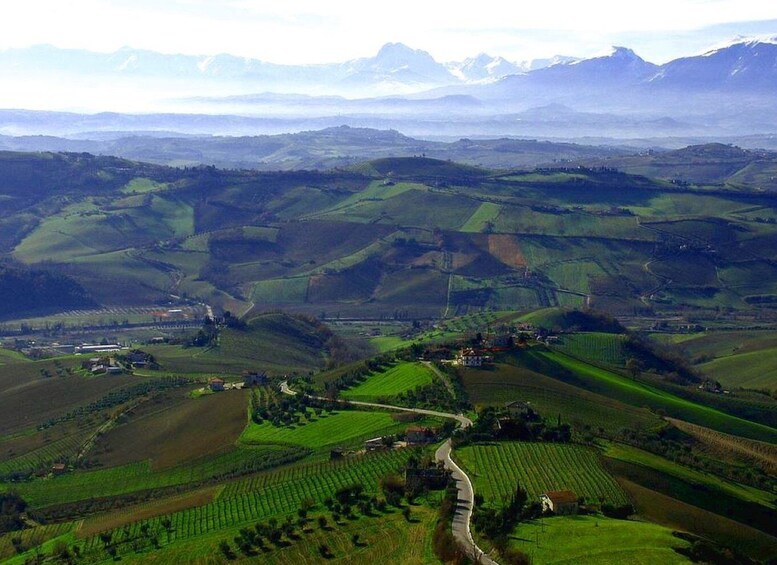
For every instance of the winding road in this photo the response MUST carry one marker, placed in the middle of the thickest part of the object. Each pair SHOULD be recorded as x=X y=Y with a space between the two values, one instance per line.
x=462 y=516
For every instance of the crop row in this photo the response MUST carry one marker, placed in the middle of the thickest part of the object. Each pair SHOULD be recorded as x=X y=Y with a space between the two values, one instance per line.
x=138 y=476
x=598 y=347
x=279 y=493
x=63 y=449
x=539 y=467
x=31 y=537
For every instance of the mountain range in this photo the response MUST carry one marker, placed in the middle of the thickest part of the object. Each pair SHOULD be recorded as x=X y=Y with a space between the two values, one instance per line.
x=727 y=91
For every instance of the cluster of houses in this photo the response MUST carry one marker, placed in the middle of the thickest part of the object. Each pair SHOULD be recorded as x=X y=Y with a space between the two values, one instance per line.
x=250 y=379
x=414 y=435
x=117 y=364
x=481 y=354
x=102 y=366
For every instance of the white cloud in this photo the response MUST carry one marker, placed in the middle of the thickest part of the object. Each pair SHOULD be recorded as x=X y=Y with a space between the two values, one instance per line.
x=310 y=31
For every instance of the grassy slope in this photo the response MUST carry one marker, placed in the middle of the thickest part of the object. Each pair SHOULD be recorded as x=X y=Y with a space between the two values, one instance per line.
x=505 y=383
x=175 y=430
x=756 y=369
x=640 y=394
x=115 y=481
x=274 y=342
x=597 y=540
x=338 y=428
x=708 y=480
x=396 y=380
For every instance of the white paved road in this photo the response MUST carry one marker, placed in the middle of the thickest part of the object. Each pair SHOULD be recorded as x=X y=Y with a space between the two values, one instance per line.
x=462 y=516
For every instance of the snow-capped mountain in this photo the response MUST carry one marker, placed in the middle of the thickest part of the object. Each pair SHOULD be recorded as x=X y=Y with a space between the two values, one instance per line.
x=733 y=84
x=743 y=64
x=536 y=64
x=484 y=67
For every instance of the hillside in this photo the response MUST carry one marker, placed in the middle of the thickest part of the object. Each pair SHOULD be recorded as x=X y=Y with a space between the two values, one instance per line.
x=401 y=237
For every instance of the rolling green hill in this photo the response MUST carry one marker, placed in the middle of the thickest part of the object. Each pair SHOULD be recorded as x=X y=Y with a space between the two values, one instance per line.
x=398 y=237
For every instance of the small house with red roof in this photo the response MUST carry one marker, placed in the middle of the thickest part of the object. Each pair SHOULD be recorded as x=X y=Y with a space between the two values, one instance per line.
x=559 y=502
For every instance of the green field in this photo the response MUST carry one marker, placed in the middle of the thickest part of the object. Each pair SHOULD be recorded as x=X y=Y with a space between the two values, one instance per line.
x=396 y=380
x=641 y=394
x=693 y=476
x=486 y=214
x=262 y=496
x=598 y=347
x=496 y=468
x=597 y=540
x=755 y=369
x=83 y=485
x=275 y=342
x=550 y=397
x=344 y=427
x=386 y=538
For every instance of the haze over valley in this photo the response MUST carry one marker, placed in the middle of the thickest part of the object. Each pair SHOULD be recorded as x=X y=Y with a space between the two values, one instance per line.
x=346 y=291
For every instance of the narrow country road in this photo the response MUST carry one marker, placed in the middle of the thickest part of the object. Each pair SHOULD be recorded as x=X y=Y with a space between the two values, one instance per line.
x=440 y=375
x=462 y=516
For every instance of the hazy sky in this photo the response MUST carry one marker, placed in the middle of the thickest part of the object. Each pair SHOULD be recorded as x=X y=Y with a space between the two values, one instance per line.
x=316 y=31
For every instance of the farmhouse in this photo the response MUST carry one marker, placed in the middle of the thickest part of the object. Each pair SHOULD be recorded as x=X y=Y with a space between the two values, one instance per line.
x=374 y=443
x=137 y=358
x=559 y=502
x=469 y=357
x=58 y=468
x=216 y=384
x=256 y=379
x=517 y=407
x=417 y=435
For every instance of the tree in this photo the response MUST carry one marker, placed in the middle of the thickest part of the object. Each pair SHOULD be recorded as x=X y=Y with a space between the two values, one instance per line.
x=355 y=539
x=633 y=367
x=322 y=522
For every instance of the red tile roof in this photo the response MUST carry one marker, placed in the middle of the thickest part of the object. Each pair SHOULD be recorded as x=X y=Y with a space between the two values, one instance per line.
x=561 y=496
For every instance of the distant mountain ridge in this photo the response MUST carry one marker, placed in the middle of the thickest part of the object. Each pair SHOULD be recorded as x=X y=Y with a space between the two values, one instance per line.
x=728 y=91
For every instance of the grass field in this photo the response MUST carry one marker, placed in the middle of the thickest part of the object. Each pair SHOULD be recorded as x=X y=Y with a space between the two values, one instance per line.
x=673 y=513
x=396 y=380
x=756 y=369
x=344 y=427
x=486 y=214
x=709 y=481
x=641 y=394
x=281 y=291
x=497 y=468
x=597 y=540
x=274 y=342
x=550 y=397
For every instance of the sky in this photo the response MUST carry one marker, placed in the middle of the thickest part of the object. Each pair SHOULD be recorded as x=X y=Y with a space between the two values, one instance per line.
x=315 y=31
